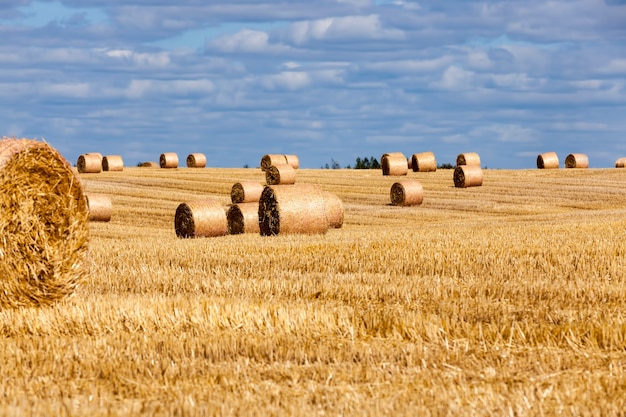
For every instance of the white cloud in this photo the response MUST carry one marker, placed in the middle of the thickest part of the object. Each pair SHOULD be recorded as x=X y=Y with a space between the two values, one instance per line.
x=159 y=59
x=247 y=40
x=141 y=88
x=287 y=80
x=456 y=79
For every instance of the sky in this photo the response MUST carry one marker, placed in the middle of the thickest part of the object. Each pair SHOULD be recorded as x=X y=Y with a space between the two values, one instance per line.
x=327 y=80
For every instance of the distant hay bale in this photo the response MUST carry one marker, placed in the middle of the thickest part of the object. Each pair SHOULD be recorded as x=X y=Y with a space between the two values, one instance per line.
x=43 y=224
x=620 y=163
x=203 y=218
x=246 y=192
x=243 y=218
x=280 y=174
x=112 y=163
x=293 y=160
x=394 y=164
x=89 y=163
x=423 y=162
x=99 y=206
x=335 y=211
x=196 y=160
x=149 y=164
x=576 y=160
x=272 y=159
x=407 y=193
x=548 y=160
x=168 y=160
x=292 y=209
x=468 y=176
x=468 y=158
x=409 y=162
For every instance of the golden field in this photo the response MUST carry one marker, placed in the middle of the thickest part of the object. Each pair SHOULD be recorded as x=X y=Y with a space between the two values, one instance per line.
x=506 y=299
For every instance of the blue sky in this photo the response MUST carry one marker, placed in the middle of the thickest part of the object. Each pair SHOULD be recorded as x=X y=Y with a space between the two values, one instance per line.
x=324 y=79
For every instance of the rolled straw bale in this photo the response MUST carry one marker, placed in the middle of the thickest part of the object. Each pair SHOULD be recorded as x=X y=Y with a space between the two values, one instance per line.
x=196 y=160
x=293 y=160
x=90 y=163
x=620 y=163
x=424 y=162
x=576 y=160
x=149 y=164
x=334 y=209
x=243 y=218
x=246 y=192
x=272 y=159
x=203 y=218
x=548 y=160
x=99 y=206
x=293 y=209
x=280 y=174
x=43 y=224
x=468 y=176
x=468 y=158
x=394 y=164
x=407 y=193
x=409 y=162
x=168 y=160
x=112 y=163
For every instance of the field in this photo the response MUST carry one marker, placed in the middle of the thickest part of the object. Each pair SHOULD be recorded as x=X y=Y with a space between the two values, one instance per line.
x=505 y=299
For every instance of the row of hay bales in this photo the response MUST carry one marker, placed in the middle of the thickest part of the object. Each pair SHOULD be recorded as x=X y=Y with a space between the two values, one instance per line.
x=550 y=160
x=94 y=163
x=170 y=160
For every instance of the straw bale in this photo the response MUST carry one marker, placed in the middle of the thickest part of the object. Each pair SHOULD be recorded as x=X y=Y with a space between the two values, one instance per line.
x=468 y=176
x=272 y=159
x=89 y=163
x=394 y=164
x=620 y=163
x=99 y=206
x=168 y=160
x=423 y=162
x=196 y=160
x=149 y=164
x=293 y=160
x=468 y=158
x=407 y=193
x=243 y=218
x=334 y=209
x=246 y=192
x=409 y=163
x=112 y=163
x=576 y=160
x=43 y=224
x=548 y=160
x=202 y=218
x=293 y=209
x=280 y=174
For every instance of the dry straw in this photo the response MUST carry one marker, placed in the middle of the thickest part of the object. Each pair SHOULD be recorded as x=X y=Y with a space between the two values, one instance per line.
x=293 y=160
x=423 y=162
x=89 y=163
x=243 y=218
x=43 y=224
x=548 y=160
x=394 y=164
x=204 y=218
x=280 y=174
x=293 y=209
x=246 y=192
x=620 y=163
x=272 y=159
x=468 y=176
x=149 y=164
x=576 y=160
x=168 y=160
x=112 y=163
x=407 y=193
x=99 y=206
x=468 y=158
x=196 y=160
x=335 y=211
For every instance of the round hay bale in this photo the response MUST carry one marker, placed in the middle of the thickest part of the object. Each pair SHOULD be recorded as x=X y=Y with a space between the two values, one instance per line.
x=394 y=164
x=468 y=176
x=149 y=164
x=292 y=209
x=280 y=174
x=168 y=160
x=272 y=159
x=620 y=163
x=293 y=160
x=576 y=160
x=99 y=206
x=548 y=160
x=89 y=163
x=196 y=160
x=204 y=218
x=334 y=209
x=409 y=163
x=112 y=163
x=246 y=192
x=407 y=193
x=423 y=162
x=468 y=158
x=43 y=224
x=243 y=218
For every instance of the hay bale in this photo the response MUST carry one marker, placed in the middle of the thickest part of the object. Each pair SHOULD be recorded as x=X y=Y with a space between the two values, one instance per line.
x=292 y=209
x=149 y=164
x=280 y=174
x=203 y=218
x=243 y=218
x=576 y=160
x=99 y=206
x=246 y=192
x=548 y=160
x=620 y=163
x=423 y=162
x=293 y=160
x=112 y=163
x=89 y=163
x=43 y=224
x=335 y=211
x=468 y=158
x=272 y=159
x=394 y=164
x=468 y=176
x=196 y=160
x=168 y=160
x=407 y=193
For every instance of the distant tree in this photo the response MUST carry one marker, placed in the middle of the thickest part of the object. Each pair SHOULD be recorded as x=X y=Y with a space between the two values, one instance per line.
x=333 y=165
x=366 y=163
x=445 y=166
x=246 y=166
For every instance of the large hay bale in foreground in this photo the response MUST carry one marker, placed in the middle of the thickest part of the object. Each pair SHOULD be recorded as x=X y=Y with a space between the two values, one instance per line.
x=335 y=211
x=292 y=209
x=468 y=176
x=280 y=174
x=112 y=163
x=620 y=163
x=168 y=160
x=43 y=224
x=576 y=160
x=203 y=218
x=99 y=206
x=423 y=162
x=468 y=158
x=394 y=164
x=243 y=218
x=272 y=159
x=548 y=160
x=246 y=192
x=407 y=193
x=89 y=163
x=196 y=160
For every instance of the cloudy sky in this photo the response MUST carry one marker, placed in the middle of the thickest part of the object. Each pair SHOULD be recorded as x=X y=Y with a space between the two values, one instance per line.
x=324 y=79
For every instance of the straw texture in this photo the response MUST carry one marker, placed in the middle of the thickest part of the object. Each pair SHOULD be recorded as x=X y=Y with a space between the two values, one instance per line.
x=548 y=160
x=407 y=193
x=394 y=164
x=89 y=163
x=293 y=160
x=196 y=160
x=423 y=162
x=620 y=163
x=468 y=158
x=99 y=206
x=168 y=160
x=203 y=218
x=468 y=176
x=335 y=211
x=43 y=224
x=112 y=163
x=243 y=218
x=272 y=159
x=246 y=192
x=280 y=174
x=576 y=160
